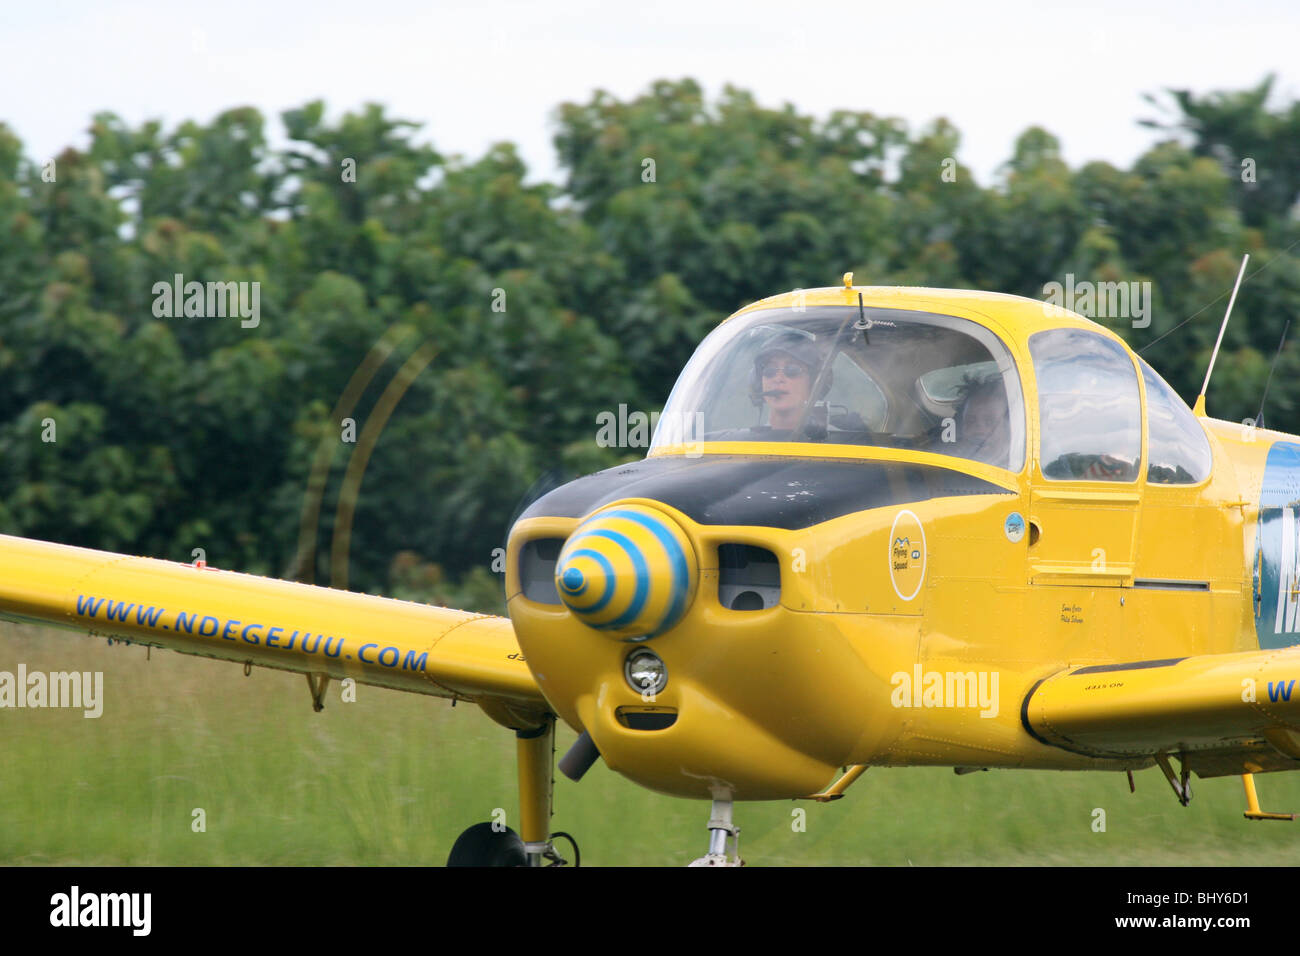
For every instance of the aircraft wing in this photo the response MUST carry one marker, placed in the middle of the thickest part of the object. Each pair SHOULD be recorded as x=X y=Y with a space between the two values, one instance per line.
x=1225 y=713
x=270 y=623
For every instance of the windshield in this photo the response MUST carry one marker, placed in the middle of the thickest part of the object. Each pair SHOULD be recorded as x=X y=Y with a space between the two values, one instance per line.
x=885 y=377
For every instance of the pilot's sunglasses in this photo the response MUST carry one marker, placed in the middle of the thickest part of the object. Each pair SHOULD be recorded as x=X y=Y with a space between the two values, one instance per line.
x=791 y=371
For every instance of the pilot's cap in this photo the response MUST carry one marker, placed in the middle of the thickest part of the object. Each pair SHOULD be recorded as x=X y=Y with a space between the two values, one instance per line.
x=797 y=345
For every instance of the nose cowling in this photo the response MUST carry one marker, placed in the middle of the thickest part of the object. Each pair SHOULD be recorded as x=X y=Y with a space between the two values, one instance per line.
x=628 y=571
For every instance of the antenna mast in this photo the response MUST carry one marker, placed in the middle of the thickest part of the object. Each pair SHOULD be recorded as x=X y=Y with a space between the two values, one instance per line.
x=1199 y=409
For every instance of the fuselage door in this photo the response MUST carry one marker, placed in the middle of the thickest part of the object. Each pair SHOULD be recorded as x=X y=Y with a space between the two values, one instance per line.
x=1086 y=491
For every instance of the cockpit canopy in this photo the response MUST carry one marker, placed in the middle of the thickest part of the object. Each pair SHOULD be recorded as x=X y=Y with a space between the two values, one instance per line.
x=890 y=378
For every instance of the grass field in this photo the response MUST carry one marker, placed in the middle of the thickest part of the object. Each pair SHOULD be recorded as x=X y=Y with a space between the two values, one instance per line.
x=393 y=778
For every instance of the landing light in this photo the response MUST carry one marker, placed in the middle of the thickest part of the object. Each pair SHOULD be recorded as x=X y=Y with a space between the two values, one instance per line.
x=645 y=672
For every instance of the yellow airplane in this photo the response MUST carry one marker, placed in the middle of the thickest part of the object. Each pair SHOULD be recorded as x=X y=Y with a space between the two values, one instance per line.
x=875 y=527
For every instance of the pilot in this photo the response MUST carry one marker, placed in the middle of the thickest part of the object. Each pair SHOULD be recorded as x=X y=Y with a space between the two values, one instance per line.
x=983 y=424
x=782 y=380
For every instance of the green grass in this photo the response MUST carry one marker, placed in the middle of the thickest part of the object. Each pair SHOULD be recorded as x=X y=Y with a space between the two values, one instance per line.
x=393 y=778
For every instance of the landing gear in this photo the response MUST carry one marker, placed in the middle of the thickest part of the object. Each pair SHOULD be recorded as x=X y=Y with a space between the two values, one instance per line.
x=487 y=844
x=1182 y=783
x=721 y=833
x=495 y=844
x=1253 y=812
x=535 y=756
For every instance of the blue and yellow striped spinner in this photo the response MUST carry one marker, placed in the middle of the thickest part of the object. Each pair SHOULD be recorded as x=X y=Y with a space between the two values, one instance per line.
x=629 y=572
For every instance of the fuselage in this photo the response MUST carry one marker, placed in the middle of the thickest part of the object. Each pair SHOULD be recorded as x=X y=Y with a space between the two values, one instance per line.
x=878 y=600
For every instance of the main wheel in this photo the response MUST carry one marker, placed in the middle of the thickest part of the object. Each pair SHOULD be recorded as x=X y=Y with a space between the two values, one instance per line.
x=481 y=845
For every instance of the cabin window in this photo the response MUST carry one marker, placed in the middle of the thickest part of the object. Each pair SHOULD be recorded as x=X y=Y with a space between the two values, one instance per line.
x=892 y=378
x=1090 y=426
x=1178 y=453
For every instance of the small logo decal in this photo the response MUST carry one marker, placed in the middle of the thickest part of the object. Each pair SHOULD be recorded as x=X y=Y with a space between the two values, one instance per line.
x=907 y=555
x=1014 y=527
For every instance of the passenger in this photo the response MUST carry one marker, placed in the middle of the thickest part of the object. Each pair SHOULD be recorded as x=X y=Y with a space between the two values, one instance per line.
x=983 y=425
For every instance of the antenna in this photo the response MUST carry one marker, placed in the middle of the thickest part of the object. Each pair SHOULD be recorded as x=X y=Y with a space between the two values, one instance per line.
x=1259 y=419
x=1199 y=409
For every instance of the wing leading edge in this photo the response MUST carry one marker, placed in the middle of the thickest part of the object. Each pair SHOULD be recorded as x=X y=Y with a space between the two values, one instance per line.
x=270 y=623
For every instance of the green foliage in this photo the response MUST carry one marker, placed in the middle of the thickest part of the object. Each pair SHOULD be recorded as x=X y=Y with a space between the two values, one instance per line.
x=540 y=304
x=1238 y=131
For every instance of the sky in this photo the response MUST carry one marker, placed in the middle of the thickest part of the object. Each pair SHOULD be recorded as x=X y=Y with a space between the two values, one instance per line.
x=480 y=72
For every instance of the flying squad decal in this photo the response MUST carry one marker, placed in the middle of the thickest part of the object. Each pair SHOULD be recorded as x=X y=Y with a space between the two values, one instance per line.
x=907 y=555
x=1277 y=549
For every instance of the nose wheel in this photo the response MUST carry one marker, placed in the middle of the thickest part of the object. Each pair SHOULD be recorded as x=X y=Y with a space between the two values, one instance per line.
x=491 y=844
x=487 y=844
x=723 y=836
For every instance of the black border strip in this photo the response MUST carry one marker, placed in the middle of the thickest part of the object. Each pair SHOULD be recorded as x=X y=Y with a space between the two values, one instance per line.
x=1134 y=666
x=1024 y=714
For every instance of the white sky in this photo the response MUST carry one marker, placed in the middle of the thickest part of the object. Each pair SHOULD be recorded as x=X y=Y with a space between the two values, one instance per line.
x=479 y=72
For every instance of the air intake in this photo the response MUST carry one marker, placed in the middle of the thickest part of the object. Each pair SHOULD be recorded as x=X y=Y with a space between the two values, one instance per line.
x=749 y=578
x=537 y=569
